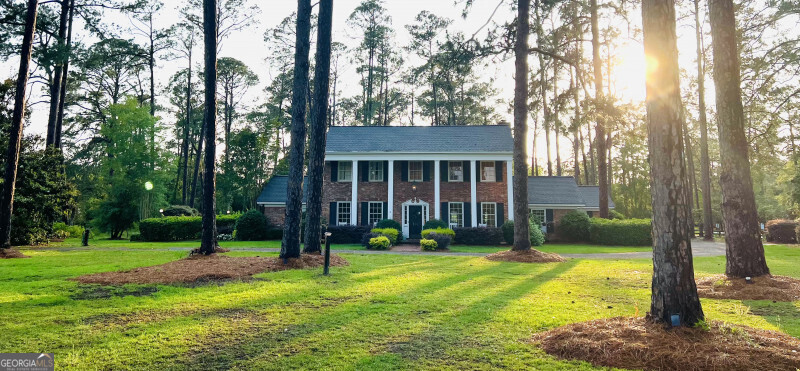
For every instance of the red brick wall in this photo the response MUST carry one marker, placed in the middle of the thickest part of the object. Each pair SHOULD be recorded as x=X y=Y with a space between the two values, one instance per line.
x=275 y=215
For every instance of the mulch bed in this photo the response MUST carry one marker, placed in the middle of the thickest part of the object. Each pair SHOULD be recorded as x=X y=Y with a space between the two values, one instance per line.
x=526 y=256
x=636 y=343
x=12 y=254
x=207 y=268
x=776 y=288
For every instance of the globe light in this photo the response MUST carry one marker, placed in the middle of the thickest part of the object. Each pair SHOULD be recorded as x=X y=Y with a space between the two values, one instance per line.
x=148 y=186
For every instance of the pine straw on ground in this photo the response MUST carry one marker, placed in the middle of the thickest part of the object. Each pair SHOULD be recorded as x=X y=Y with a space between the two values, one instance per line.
x=636 y=343
x=12 y=254
x=207 y=268
x=526 y=256
x=777 y=288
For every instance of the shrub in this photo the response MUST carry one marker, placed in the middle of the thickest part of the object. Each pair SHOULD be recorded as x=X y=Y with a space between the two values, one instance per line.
x=367 y=237
x=435 y=223
x=508 y=231
x=181 y=228
x=73 y=231
x=441 y=231
x=347 y=234
x=428 y=245
x=136 y=237
x=574 y=226
x=252 y=226
x=180 y=210
x=226 y=224
x=224 y=237
x=491 y=236
x=627 y=232
x=442 y=240
x=391 y=233
x=389 y=223
x=379 y=243
x=536 y=235
x=614 y=214
x=782 y=231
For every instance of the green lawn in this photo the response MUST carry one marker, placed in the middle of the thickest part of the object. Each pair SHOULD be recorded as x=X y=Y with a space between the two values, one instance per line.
x=556 y=248
x=382 y=312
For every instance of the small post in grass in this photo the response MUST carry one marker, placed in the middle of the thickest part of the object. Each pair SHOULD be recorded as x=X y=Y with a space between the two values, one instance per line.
x=327 y=254
x=85 y=239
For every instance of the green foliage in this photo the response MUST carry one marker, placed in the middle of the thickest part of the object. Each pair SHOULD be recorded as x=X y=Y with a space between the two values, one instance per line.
x=614 y=214
x=574 y=226
x=179 y=228
x=252 y=226
x=441 y=231
x=628 y=232
x=428 y=245
x=508 y=231
x=536 y=234
x=391 y=233
x=72 y=231
x=347 y=234
x=485 y=236
x=136 y=237
x=389 y=223
x=435 y=224
x=379 y=243
x=180 y=210
x=782 y=231
x=442 y=240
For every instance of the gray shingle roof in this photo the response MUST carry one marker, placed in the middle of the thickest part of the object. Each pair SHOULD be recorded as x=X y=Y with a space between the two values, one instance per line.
x=553 y=190
x=275 y=190
x=591 y=196
x=420 y=139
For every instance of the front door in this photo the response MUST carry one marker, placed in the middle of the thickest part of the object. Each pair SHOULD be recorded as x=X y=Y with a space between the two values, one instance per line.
x=415 y=222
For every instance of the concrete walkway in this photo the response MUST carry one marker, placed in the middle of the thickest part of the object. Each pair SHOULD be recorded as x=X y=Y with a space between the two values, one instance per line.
x=700 y=248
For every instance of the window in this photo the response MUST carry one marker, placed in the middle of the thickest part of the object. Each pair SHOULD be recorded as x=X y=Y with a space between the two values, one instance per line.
x=456 y=214
x=376 y=171
x=488 y=174
x=455 y=171
x=343 y=213
x=489 y=214
x=415 y=171
x=539 y=214
x=345 y=171
x=375 y=212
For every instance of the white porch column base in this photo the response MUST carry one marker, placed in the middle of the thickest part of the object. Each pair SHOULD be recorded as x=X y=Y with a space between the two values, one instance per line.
x=473 y=192
x=390 y=199
x=354 y=197
x=510 y=181
x=436 y=191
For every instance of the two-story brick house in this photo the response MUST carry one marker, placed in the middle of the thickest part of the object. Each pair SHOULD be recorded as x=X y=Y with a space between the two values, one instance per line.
x=459 y=174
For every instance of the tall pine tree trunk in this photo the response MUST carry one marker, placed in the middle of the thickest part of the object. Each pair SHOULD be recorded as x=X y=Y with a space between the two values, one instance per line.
x=744 y=252
x=520 y=187
x=186 y=126
x=208 y=244
x=319 y=109
x=290 y=247
x=15 y=134
x=705 y=162
x=197 y=160
x=64 y=79
x=555 y=117
x=602 y=165
x=673 y=288
x=576 y=124
x=55 y=88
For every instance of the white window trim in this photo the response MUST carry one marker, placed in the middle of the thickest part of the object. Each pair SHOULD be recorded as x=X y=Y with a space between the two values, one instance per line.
x=450 y=214
x=449 y=180
x=339 y=177
x=543 y=210
x=480 y=169
x=369 y=211
x=495 y=212
x=426 y=210
x=369 y=170
x=339 y=214
x=421 y=172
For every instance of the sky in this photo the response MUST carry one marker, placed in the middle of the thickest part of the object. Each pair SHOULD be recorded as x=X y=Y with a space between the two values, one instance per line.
x=248 y=45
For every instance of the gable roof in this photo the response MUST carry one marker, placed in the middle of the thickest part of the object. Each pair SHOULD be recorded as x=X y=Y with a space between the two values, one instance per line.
x=420 y=139
x=274 y=192
x=553 y=190
x=591 y=196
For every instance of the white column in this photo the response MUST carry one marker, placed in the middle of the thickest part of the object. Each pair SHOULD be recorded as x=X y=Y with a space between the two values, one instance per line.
x=436 y=187
x=354 y=199
x=510 y=180
x=390 y=199
x=473 y=189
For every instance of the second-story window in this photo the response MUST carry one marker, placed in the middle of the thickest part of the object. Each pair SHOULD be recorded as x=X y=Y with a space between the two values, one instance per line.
x=488 y=173
x=415 y=171
x=345 y=171
x=376 y=171
x=455 y=171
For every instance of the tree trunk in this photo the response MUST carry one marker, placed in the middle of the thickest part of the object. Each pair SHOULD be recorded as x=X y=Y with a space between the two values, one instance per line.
x=576 y=124
x=186 y=126
x=290 y=247
x=520 y=187
x=197 y=159
x=744 y=252
x=602 y=166
x=673 y=289
x=208 y=244
x=64 y=79
x=555 y=117
x=690 y=170
x=15 y=135
x=55 y=88
x=705 y=163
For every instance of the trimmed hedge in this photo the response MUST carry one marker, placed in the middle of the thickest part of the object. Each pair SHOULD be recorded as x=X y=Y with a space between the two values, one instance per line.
x=428 y=245
x=390 y=233
x=626 y=232
x=389 y=223
x=180 y=210
x=181 y=228
x=508 y=231
x=534 y=231
x=366 y=238
x=574 y=226
x=442 y=231
x=490 y=236
x=442 y=240
x=434 y=224
x=782 y=231
x=252 y=226
x=347 y=234
x=379 y=243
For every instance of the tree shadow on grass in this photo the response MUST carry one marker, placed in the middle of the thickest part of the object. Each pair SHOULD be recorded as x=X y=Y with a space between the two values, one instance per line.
x=784 y=315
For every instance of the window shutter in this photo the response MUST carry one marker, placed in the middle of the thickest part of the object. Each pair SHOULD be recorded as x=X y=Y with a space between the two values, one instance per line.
x=426 y=171
x=363 y=167
x=501 y=217
x=404 y=171
x=333 y=211
x=498 y=171
x=467 y=210
x=549 y=215
x=467 y=172
x=385 y=209
x=386 y=171
x=334 y=171
x=364 y=213
x=445 y=213
x=444 y=169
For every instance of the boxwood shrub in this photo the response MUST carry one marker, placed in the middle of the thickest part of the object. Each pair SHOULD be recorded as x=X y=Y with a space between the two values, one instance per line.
x=442 y=231
x=626 y=232
x=574 y=226
x=379 y=243
x=781 y=231
x=489 y=236
x=428 y=245
x=435 y=223
x=442 y=240
x=252 y=226
x=181 y=228
x=391 y=233
x=347 y=234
